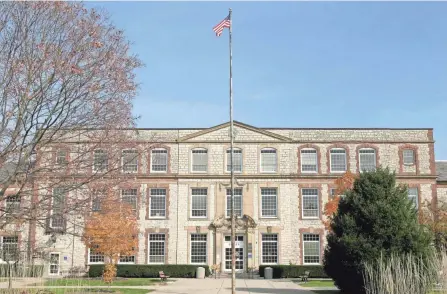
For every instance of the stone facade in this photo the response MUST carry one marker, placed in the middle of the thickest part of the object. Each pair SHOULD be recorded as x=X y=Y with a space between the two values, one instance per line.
x=288 y=225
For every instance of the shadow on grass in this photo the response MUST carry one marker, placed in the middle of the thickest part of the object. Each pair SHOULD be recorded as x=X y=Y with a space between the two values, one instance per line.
x=274 y=291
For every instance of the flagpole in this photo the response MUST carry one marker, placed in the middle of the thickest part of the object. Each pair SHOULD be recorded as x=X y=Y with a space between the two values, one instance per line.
x=233 y=229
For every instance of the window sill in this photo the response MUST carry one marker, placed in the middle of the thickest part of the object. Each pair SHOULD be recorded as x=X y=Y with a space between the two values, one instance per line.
x=157 y=218
x=158 y=171
x=310 y=218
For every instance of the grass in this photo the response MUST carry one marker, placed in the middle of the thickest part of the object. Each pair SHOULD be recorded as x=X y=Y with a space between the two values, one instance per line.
x=77 y=291
x=98 y=282
x=318 y=283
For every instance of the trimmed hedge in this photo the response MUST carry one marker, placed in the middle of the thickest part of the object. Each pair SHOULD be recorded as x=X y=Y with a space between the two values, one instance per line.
x=18 y=270
x=294 y=271
x=150 y=270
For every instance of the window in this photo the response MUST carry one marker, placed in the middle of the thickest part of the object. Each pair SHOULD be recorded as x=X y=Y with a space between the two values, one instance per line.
x=129 y=196
x=199 y=202
x=157 y=203
x=413 y=196
x=334 y=193
x=408 y=156
x=97 y=196
x=127 y=259
x=12 y=204
x=269 y=248
x=311 y=248
x=268 y=202
x=9 y=248
x=61 y=157
x=309 y=160
x=199 y=160
x=54 y=264
x=101 y=162
x=198 y=248
x=95 y=257
x=237 y=202
x=159 y=160
x=57 y=207
x=338 y=160
x=310 y=203
x=367 y=159
x=237 y=160
x=130 y=161
x=268 y=160
x=157 y=248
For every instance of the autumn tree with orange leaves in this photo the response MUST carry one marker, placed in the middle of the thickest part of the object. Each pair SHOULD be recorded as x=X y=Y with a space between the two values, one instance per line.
x=112 y=232
x=434 y=216
x=342 y=183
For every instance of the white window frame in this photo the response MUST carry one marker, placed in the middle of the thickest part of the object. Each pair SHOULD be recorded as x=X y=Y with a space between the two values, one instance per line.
x=413 y=158
x=152 y=160
x=149 y=248
x=129 y=262
x=229 y=196
x=58 y=264
x=276 y=160
x=192 y=160
x=276 y=212
x=308 y=196
x=360 y=158
x=90 y=254
x=316 y=161
x=2 y=246
x=65 y=161
x=262 y=248
x=190 y=248
x=330 y=160
x=319 y=250
x=416 y=196
x=136 y=197
x=191 y=209
x=156 y=196
x=94 y=161
x=122 y=161
x=62 y=208
x=227 y=159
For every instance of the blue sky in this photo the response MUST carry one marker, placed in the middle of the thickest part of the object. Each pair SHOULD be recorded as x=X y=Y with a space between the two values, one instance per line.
x=295 y=64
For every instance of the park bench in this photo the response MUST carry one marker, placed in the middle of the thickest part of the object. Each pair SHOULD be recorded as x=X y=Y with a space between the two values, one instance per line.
x=304 y=278
x=162 y=275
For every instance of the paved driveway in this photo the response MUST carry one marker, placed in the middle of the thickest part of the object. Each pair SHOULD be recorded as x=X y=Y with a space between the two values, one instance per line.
x=223 y=286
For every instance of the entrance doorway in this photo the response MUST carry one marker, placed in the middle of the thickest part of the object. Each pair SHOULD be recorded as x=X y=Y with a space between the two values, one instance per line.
x=239 y=245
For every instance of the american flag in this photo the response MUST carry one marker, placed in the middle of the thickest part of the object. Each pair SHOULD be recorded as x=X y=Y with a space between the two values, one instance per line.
x=225 y=23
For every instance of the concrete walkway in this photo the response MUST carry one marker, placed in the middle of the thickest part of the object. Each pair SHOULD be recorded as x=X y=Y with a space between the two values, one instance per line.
x=223 y=286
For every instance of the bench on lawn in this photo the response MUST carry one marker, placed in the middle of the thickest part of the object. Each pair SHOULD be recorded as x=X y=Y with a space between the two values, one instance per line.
x=162 y=275
x=304 y=278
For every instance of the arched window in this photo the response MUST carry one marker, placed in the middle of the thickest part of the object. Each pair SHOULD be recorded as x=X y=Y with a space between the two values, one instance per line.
x=338 y=160
x=268 y=160
x=237 y=160
x=159 y=160
x=367 y=159
x=199 y=158
x=309 y=160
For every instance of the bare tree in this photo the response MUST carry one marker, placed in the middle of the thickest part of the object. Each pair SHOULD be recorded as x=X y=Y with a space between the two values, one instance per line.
x=67 y=83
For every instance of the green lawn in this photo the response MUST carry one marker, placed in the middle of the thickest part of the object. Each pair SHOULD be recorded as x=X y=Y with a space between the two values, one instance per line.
x=98 y=282
x=77 y=291
x=318 y=283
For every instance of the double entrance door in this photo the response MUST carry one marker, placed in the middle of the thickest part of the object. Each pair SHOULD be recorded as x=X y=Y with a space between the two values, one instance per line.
x=239 y=245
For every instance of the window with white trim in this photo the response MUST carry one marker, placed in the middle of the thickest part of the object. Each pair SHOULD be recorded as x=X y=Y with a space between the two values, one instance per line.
x=311 y=248
x=269 y=202
x=199 y=160
x=199 y=202
x=309 y=160
x=9 y=246
x=129 y=196
x=338 y=160
x=367 y=159
x=408 y=156
x=413 y=196
x=159 y=160
x=198 y=248
x=95 y=257
x=157 y=203
x=237 y=160
x=61 y=157
x=101 y=161
x=127 y=259
x=12 y=204
x=269 y=248
x=156 y=243
x=54 y=264
x=237 y=202
x=310 y=203
x=130 y=161
x=268 y=160
x=57 y=208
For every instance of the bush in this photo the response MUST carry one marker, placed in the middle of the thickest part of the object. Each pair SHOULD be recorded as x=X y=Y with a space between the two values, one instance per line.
x=149 y=270
x=294 y=271
x=373 y=218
